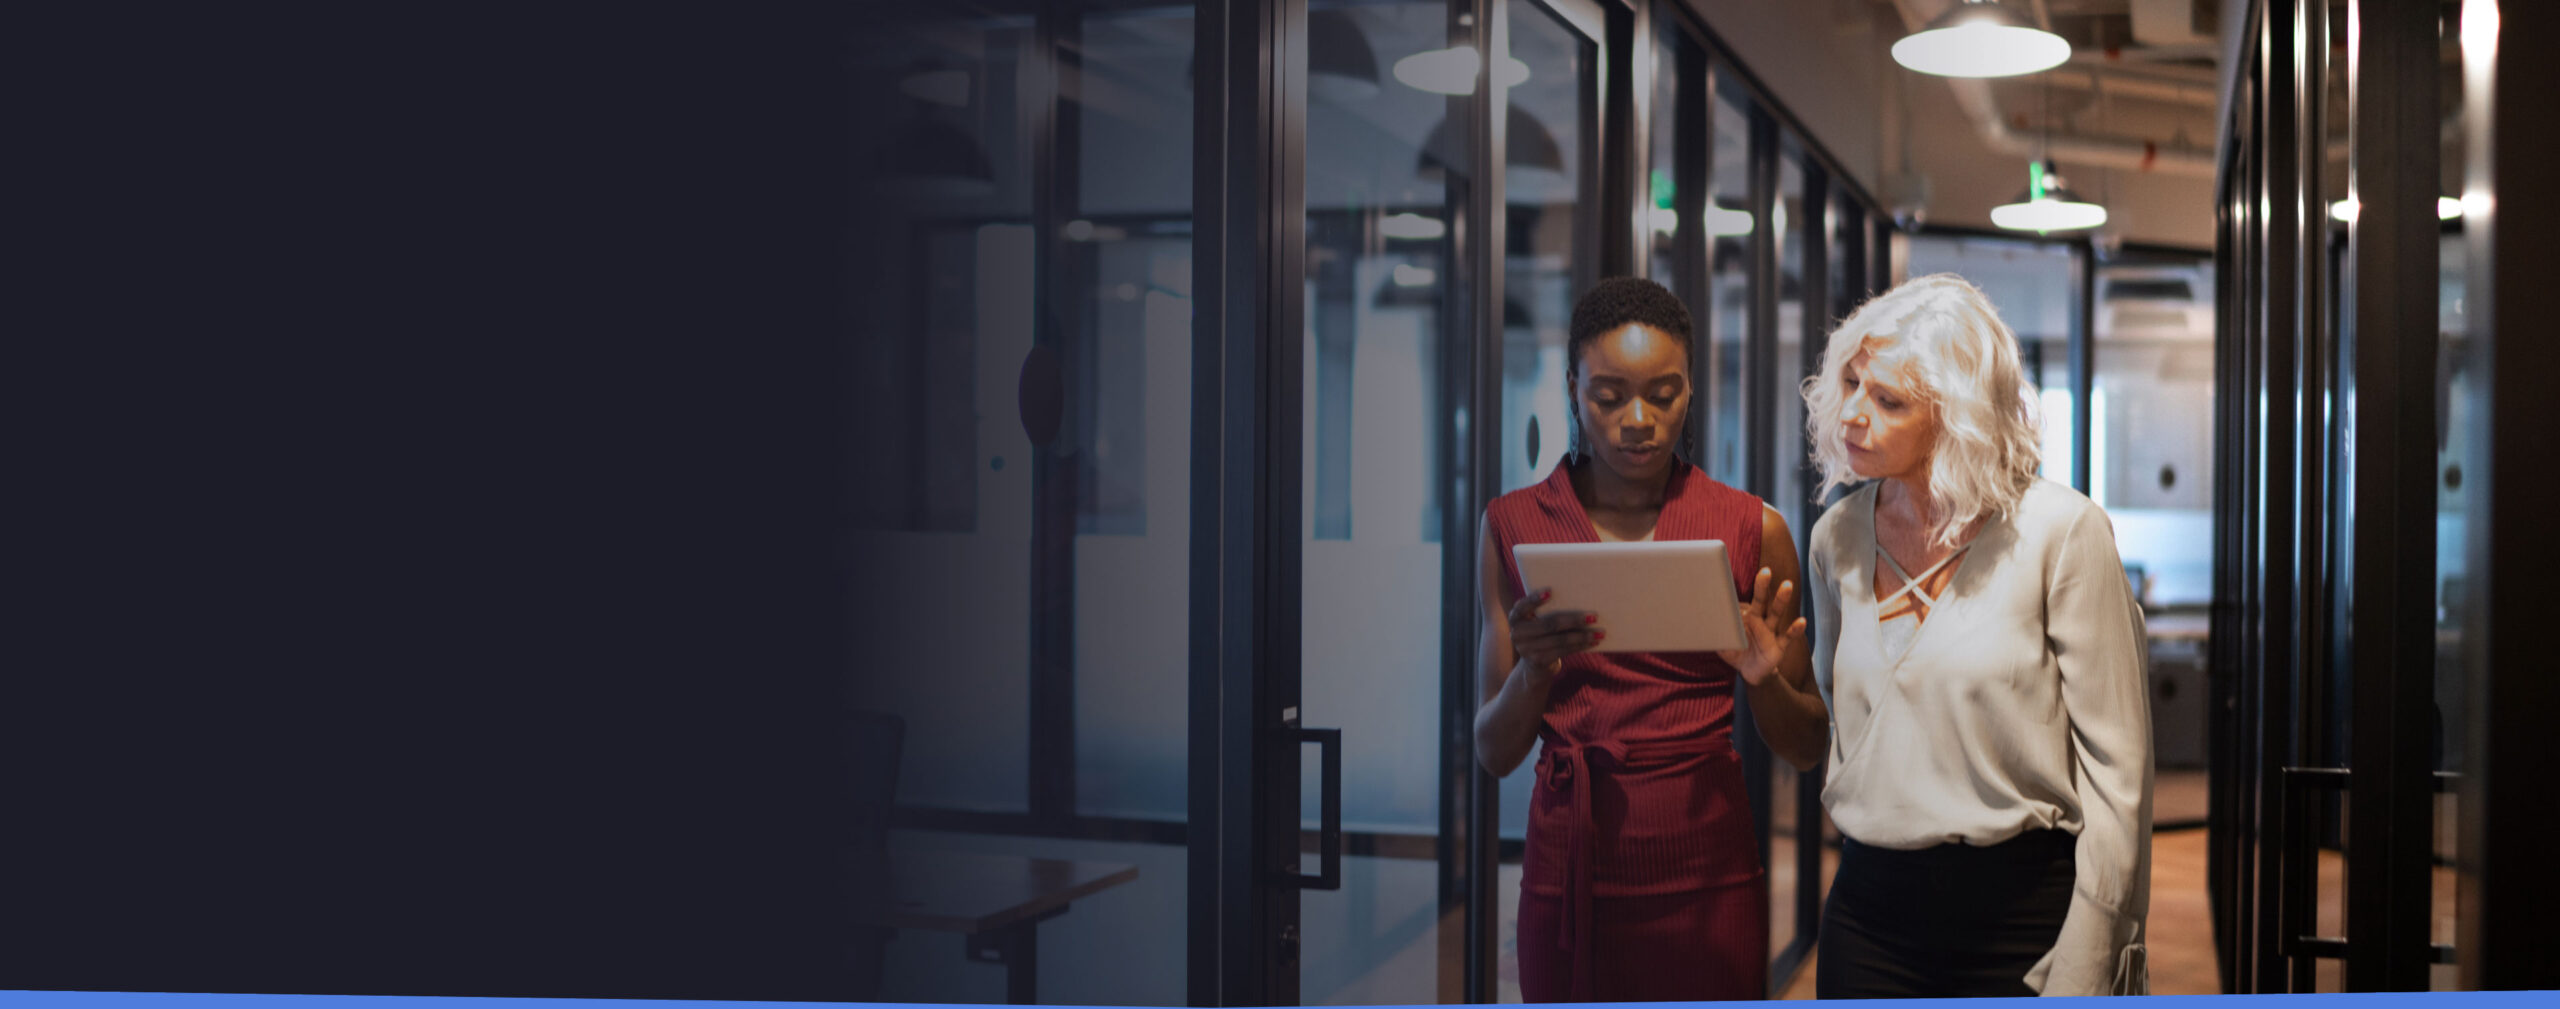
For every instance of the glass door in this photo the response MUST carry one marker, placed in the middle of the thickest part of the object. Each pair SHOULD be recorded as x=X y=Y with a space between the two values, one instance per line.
x=1550 y=254
x=2339 y=641
x=1384 y=542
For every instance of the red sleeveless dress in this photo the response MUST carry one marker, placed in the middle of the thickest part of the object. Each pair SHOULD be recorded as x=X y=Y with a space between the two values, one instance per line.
x=1642 y=880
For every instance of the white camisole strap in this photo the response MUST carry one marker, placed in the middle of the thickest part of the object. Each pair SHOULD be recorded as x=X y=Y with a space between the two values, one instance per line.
x=1911 y=584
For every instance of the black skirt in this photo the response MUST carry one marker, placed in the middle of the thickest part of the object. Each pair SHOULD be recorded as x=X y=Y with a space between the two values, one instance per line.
x=1950 y=921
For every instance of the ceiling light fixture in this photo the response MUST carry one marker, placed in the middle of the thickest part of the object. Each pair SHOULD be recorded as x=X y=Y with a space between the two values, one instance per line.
x=1452 y=71
x=1980 y=38
x=1414 y=226
x=1722 y=222
x=2047 y=206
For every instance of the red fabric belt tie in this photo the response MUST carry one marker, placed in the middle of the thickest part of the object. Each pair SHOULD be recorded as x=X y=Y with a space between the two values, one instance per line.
x=1570 y=766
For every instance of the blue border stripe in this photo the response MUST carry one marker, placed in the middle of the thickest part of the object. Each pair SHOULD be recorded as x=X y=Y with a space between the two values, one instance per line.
x=174 y=1000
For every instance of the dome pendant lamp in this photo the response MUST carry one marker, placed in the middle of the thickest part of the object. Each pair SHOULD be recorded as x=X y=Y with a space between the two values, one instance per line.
x=1980 y=38
x=2047 y=206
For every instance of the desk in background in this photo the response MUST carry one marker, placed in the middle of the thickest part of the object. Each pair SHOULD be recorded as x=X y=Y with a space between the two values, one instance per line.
x=2181 y=711
x=996 y=902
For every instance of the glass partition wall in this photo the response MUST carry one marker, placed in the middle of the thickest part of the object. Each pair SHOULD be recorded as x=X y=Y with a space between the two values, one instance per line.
x=2373 y=380
x=1235 y=318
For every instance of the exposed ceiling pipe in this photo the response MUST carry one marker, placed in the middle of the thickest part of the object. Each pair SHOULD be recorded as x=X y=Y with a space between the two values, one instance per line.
x=2079 y=149
x=1974 y=96
x=2142 y=63
x=2164 y=53
x=2176 y=92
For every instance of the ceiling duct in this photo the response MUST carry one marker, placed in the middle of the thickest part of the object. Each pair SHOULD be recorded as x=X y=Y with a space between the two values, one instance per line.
x=2136 y=155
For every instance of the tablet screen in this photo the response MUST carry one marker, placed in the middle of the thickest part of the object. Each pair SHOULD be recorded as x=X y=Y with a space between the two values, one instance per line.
x=1674 y=596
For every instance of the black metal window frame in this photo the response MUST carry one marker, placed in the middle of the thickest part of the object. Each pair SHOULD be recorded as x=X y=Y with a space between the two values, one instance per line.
x=2324 y=646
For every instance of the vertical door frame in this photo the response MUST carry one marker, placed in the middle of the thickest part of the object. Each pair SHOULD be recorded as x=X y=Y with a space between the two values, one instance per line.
x=2390 y=351
x=2084 y=366
x=1248 y=350
x=1759 y=385
x=1484 y=236
x=2326 y=528
x=2507 y=879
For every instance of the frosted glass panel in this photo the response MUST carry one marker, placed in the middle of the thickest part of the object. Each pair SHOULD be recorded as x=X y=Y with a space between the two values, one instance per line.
x=1387 y=173
x=1547 y=258
x=1133 y=586
x=1728 y=320
x=1548 y=252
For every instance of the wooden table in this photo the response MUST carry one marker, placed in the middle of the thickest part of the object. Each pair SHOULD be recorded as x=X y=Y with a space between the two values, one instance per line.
x=996 y=902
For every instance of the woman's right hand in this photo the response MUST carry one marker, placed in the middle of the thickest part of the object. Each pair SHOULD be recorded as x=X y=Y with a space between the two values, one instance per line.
x=1542 y=642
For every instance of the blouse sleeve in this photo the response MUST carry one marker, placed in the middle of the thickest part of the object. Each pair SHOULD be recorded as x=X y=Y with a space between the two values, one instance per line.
x=2095 y=630
x=1824 y=587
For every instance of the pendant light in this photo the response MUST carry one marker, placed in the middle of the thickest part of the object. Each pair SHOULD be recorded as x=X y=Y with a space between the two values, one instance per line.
x=1452 y=71
x=2047 y=205
x=1980 y=38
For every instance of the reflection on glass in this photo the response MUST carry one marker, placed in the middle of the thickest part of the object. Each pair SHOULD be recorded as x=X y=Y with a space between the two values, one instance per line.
x=1128 y=251
x=1793 y=222
x=1025 y=506
x=1676 y=60
x=1547 y=254
x=1843 y=270
x=2454 y=417
x=1550 y=251
x=1378 y=301
x=1795 y=237
x=1728 y=317
x=2457 y=364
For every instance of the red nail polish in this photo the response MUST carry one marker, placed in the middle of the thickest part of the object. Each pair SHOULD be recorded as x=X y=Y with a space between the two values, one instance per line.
x=1598 y=636
x=1590 y=618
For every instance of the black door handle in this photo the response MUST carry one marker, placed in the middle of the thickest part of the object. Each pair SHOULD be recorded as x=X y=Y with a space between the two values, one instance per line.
x=1329 y=831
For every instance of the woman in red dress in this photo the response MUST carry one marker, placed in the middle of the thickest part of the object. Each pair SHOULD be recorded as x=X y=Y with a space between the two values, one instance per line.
x=1642 y=880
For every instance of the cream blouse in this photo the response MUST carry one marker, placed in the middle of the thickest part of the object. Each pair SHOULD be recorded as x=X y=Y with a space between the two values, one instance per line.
x=2020 y=703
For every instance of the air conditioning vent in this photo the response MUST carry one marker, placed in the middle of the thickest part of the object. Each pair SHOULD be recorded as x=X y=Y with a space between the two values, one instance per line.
x=2150 y=289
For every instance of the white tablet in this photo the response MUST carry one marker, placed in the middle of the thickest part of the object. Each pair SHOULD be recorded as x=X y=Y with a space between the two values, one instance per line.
x=1674 y=596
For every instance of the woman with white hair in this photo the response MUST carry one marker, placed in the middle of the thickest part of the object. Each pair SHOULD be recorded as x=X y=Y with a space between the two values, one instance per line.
x=1982 y=658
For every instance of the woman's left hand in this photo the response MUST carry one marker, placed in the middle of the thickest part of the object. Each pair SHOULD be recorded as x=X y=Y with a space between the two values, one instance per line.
x=1766 y=639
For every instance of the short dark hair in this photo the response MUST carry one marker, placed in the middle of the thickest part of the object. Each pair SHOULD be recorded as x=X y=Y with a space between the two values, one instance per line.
x=1613 y=303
